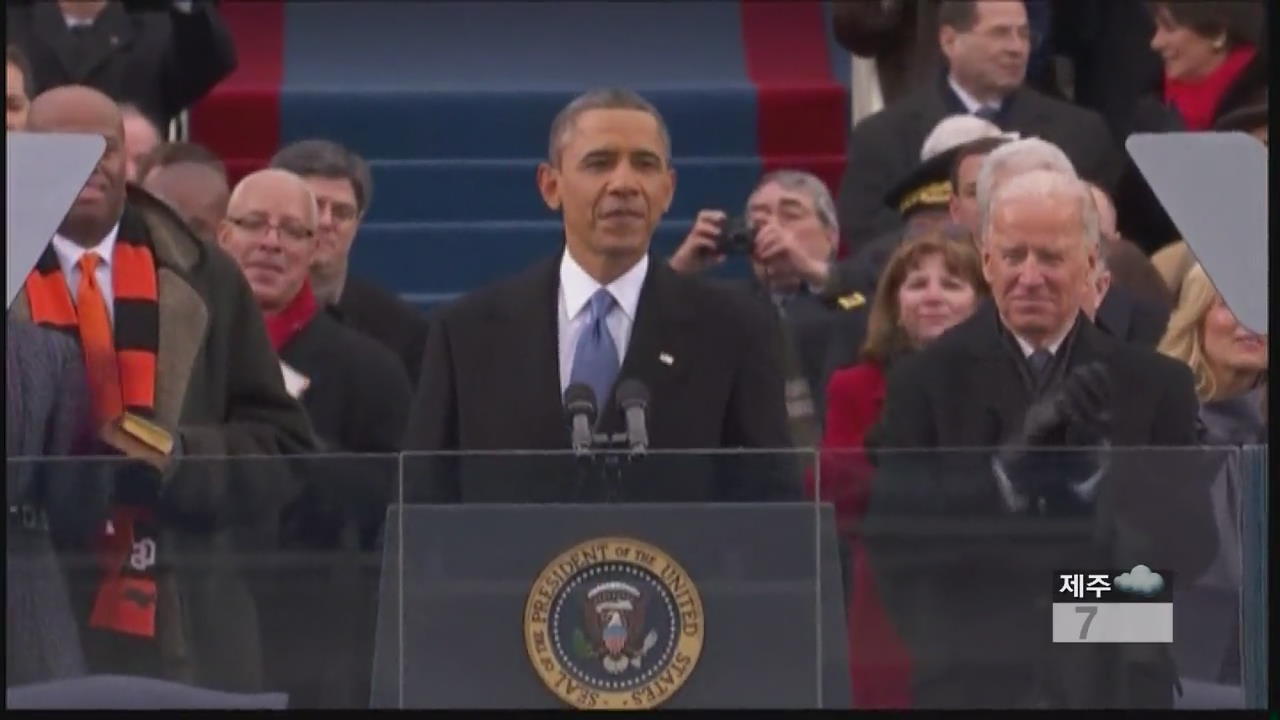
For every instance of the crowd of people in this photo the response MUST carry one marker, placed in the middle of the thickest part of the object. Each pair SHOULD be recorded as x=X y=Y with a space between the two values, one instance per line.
x=994 y=276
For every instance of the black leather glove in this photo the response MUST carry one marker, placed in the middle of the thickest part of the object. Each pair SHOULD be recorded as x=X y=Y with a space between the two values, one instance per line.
x=1045 y=424
x=1086 y=402
x=1072 y=417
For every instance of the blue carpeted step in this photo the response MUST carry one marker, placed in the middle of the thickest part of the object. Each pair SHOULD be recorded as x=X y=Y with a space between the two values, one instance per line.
x=428 y=261
x=489 y=123
x=506 y=188
x=453 y=103
x=484 y=79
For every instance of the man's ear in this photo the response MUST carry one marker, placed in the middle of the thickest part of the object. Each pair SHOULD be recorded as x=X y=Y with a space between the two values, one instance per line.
x=987 y=271
x=671 y=193
x=223 y=234
x=549 y=185
x=947 y=38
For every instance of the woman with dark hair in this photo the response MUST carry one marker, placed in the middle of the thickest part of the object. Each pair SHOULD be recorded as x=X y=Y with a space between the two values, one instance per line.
x=17 y=88
x=931 y=283
x=1215 y=63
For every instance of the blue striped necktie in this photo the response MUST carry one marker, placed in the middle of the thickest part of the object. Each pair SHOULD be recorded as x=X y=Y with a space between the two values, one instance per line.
x=595 y=360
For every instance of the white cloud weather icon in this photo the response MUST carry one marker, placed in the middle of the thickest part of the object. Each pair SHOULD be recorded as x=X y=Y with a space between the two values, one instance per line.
x=1140 y=581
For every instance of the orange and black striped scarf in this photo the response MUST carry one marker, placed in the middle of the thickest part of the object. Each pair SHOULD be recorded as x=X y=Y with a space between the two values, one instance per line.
x=126 y=598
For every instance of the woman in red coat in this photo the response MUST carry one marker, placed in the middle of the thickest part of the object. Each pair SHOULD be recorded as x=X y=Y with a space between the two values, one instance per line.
x=930 y=283
x=1215 y=60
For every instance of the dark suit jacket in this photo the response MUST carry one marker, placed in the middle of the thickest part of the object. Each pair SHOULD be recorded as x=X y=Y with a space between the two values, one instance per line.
x=1109 y=45
x=318 y=614
x=158 y=58
x=219 y=389
x=358 y=399
x=860 y=271
x=49 y=504
x=820 y=330
x=386 y=318
x=969 y=589
x=1125 y=317
x=885 y=147
x=491 y=382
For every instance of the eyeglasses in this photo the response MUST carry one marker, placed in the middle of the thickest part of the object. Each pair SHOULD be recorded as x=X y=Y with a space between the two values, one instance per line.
x=259 y=226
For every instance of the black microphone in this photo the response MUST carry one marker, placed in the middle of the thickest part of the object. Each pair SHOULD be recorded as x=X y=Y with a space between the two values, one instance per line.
x=633 y=397
x=580 y=403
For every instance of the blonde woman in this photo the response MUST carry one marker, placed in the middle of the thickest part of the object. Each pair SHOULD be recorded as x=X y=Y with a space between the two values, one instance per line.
x=1229 y=363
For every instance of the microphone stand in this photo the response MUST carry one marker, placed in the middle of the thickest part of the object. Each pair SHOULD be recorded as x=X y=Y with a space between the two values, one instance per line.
x=612 y=465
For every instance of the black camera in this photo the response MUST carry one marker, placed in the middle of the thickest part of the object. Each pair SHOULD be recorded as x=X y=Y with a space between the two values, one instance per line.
x=737 y=237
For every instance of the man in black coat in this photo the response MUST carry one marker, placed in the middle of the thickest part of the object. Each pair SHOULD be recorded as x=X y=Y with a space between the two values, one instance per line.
x=987 y=44
x=357 y=397
x=1030 y=376
x=499 y=361
x=159 y=56
x=1126 y=312
x=343 y=186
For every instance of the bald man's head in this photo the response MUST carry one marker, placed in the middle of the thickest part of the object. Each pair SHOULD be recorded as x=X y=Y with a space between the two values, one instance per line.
x=270 y=230
x=141 y=136
x=197 y=192
x=80 y=109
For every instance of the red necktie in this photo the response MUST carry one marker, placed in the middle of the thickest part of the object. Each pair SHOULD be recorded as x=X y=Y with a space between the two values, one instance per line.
x=99 y=348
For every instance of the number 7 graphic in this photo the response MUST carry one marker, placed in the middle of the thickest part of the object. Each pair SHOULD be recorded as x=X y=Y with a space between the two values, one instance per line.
x=1092 y=612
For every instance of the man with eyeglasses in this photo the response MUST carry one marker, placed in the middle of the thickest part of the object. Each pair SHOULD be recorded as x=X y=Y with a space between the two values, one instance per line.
x=357 y=396
x=793 y=223
x=171 y=336
x=987 y=44
x=343 y=187
x=354 y=390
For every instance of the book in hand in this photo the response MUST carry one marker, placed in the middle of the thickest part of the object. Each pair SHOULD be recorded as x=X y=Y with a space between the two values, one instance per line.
x=140 y=439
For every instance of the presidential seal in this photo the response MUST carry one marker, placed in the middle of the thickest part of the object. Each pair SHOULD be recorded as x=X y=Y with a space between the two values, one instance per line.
x=614 y=623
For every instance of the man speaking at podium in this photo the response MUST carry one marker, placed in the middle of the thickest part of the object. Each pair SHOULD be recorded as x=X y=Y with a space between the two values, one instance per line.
x=498 y=363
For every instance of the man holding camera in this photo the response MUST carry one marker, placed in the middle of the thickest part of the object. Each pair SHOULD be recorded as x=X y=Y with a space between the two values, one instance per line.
x=790 y=234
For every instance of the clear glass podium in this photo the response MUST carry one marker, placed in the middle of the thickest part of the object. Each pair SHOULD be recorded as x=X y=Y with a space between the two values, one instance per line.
x=692 y=579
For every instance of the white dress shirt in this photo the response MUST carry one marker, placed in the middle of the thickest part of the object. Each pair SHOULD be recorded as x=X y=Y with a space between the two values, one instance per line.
x=576 y=289
x=970 y=102
x=1028 y=348
x=69 y=254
